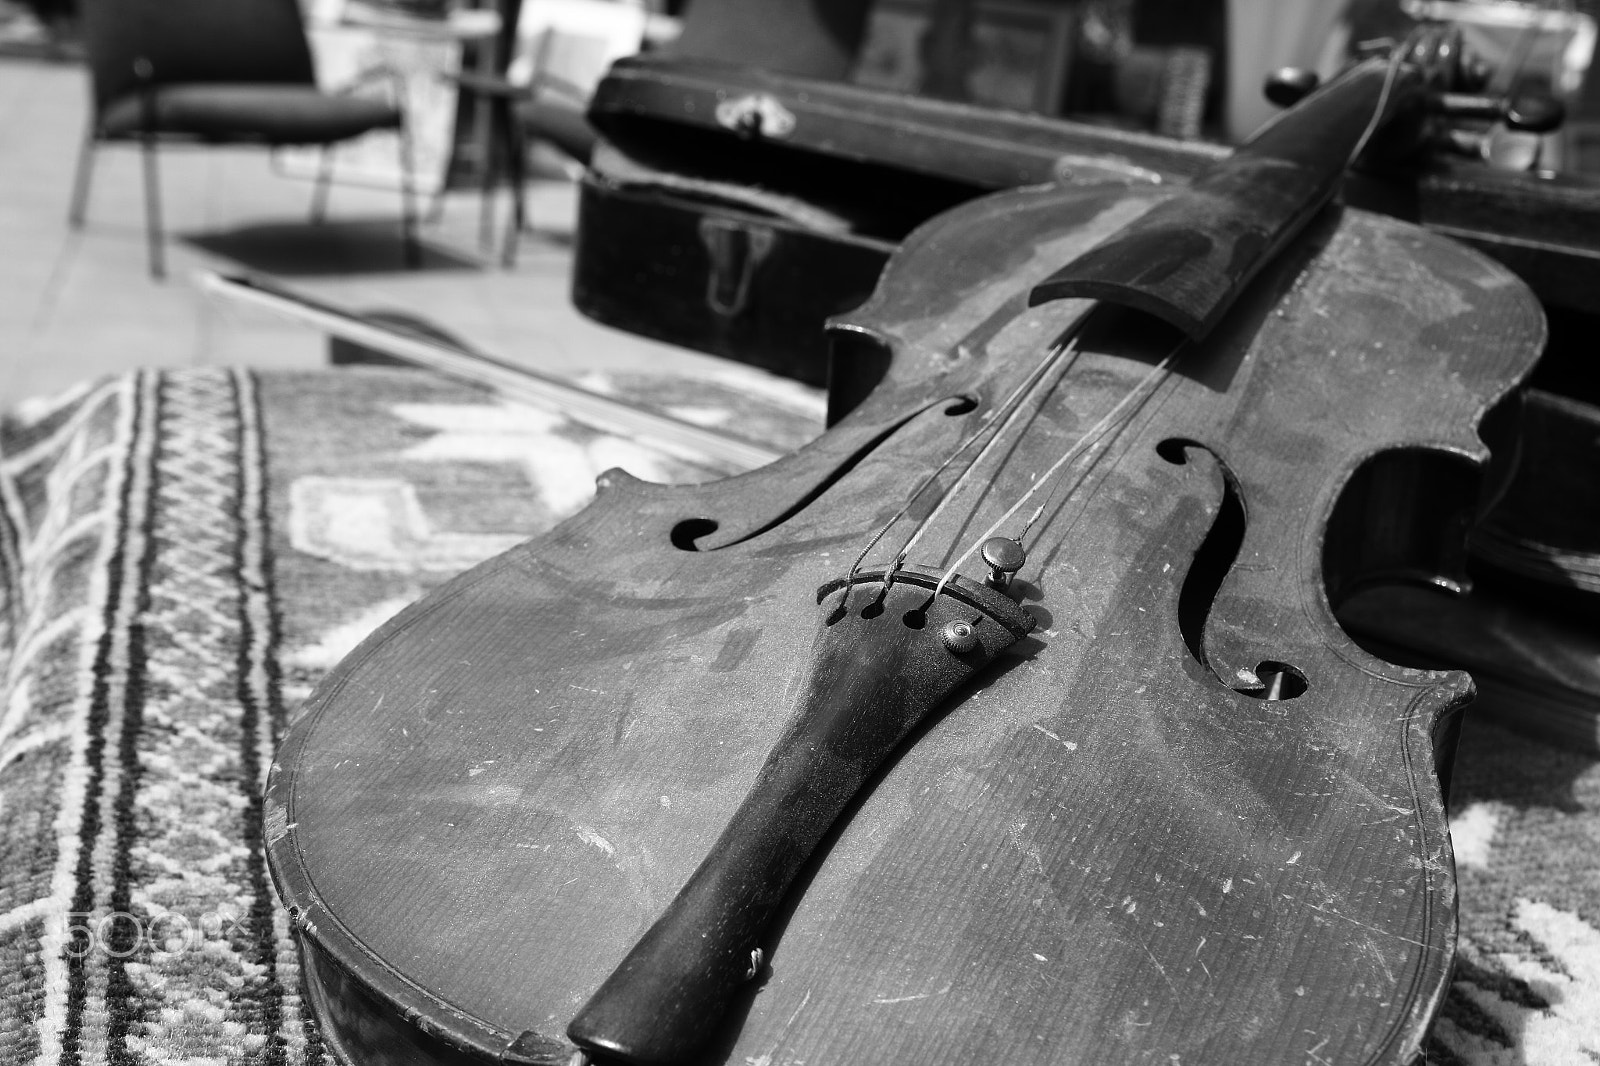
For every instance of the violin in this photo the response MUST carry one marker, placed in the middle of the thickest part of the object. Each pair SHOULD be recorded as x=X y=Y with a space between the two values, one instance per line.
x=1008 y=720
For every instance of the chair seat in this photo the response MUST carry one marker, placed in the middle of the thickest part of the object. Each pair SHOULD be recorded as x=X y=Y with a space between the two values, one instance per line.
x=269 y=114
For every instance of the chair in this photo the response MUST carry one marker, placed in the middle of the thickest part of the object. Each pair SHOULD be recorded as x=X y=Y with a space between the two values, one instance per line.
x=215 y=72
x=564 y=48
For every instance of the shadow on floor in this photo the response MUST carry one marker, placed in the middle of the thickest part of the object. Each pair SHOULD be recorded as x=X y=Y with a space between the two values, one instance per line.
x=300 y=249
x=533 y=236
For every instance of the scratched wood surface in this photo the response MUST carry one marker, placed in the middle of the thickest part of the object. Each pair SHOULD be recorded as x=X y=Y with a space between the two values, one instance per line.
x=1102 y=852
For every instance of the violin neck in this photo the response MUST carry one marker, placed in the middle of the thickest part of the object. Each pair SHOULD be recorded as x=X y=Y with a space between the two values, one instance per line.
x=1316 y=140
x=1190 y=257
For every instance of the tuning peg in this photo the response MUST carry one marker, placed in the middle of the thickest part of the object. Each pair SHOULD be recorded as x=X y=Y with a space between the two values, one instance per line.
x=1534 y=112
x=1527 y=112
x=1287 y=86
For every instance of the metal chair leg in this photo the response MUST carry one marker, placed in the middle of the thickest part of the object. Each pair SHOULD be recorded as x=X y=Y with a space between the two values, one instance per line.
x=80 y=180
x=488 y=173
x=145 y=72
x=408 y=207
x=516 y=166
x=319 y=192
x=435 y=209
x=152 y=207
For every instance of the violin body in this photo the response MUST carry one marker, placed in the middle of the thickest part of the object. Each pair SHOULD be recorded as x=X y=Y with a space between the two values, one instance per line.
x=1103 y=852
x=1182 y=819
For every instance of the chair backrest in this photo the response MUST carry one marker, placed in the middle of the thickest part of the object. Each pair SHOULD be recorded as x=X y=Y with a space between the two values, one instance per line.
x=574 y=42
x=193 y=41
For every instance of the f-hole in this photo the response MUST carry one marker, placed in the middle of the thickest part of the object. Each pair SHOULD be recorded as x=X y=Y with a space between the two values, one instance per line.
x=1212 y=561
x=685 y=533
x=1279 y=681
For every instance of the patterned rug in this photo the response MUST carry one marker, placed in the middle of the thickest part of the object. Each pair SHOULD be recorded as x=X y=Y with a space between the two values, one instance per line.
x=184 y=553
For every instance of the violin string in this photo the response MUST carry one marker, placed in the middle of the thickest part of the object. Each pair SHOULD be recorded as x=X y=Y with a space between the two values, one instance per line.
x=1066 y=347
x=1094 y=444
x=1070 y=350
x=1097 y=438
x=1396 y=59
x=1098 y=449
x=1096 y=452
x=995 y=422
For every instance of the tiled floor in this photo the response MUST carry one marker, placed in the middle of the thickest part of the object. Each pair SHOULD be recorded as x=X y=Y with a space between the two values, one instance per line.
x=77 y=304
